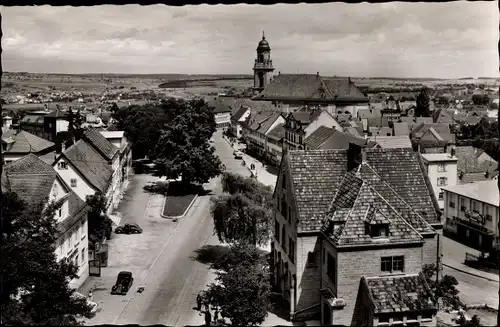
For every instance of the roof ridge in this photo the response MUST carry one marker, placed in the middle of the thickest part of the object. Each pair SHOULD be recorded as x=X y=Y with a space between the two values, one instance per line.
x=397 y=195
x=392 y=276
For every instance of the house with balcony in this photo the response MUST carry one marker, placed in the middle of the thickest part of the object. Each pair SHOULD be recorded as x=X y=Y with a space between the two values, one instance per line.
x=291 y=92
x=353 y=229
x=85 y=171
x=471 y=213
x=442 y=171
x=300 y=124
x=35 y=182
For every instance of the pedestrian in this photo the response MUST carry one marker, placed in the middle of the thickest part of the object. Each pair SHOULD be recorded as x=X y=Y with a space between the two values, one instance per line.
x=208 y=317
x=91 y=297
x=198 y=302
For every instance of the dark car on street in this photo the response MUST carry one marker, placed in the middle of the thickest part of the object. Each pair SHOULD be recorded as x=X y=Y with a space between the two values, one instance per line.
x=128 y=229
x=123 y=283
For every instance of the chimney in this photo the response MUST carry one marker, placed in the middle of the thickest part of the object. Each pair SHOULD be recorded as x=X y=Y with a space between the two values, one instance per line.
x=355 y=156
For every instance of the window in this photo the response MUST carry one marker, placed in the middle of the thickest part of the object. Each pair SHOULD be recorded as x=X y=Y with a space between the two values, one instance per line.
x=300 y=139
x=75 y=236
x=277 y=230
x=83 y=256
x=291 y=249
x=442 y=167
x=70 y=240
x=331 y=268
x=62 y=165
x=76 y=261
x=462 y=204
x=284 y=208
x=283 y=237
x=476 y=206
x=392 y=264
x=73 y=182
x=441 y=195
x=442 y=181
x=377 y=231
x=59 y=212
x=311 y=260
x=451 y=199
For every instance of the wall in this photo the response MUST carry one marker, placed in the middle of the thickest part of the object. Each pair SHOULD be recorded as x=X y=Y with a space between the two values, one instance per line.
x=223 y=119
x=82 y=188
x=324 y=119
x=351 y=266
x=62 y=125
x=450 y=173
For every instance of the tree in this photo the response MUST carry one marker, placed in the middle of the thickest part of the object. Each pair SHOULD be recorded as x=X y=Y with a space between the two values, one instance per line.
x=480 y=99
x=75 y=130
x=242 y=291
x=245 y=213
x=35 y=287
x=183 y=149
x=114 y=108
x=423 y=104
x=444 y=289
x=99 y=224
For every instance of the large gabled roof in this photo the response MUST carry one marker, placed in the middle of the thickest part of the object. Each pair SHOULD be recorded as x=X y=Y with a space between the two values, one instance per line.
x=24 y=142
x=318 y=137
x=278 y=132
x=94 y=168
x=239 y=113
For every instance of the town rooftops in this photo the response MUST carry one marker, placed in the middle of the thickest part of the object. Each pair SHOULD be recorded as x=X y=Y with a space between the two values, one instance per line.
x=318 y=137
x=396 y=174
x=401 y=129
x=484 y=191
x=311 y=87
x=24 y=142
x=341 y=140
x=29 y=177
x=100 y=143
x=392 y=142
x=277 y=133
x=90 y=164
x=239 y=113
x=403 y=293
x=474 y=160
x=439 y=157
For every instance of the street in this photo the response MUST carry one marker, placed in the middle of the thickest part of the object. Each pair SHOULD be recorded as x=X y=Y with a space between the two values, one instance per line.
x=162 y=259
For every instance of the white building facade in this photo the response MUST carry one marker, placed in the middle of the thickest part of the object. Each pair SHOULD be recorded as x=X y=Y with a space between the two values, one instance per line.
x=442 y=171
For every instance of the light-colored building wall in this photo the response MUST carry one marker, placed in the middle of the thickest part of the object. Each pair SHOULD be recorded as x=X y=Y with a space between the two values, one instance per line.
x=81 y=187
x=442 y=171
x=62 y=125
x=223 y=119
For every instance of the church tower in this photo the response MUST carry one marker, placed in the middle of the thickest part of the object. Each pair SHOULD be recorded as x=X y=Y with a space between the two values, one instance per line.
x=263 y=66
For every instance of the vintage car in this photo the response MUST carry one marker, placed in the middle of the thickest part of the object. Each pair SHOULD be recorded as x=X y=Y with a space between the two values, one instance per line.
x=128 y=229
x=238 y=155
x=123 y=283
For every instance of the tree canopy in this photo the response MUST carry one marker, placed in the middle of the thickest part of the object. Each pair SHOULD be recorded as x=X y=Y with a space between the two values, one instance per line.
x=245 y=212
x=99 y=224
x=423 y=104
x=35 y=287
x=444 y=289
x=242 y=289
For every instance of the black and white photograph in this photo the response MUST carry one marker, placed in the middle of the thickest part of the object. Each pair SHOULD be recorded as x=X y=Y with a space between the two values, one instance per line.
x=303 y=164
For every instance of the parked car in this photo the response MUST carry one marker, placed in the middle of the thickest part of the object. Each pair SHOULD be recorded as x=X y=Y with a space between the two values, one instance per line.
x=128 y=229
x=238 y=155
x=123 y=283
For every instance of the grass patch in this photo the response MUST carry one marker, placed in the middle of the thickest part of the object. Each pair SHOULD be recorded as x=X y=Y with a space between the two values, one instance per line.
x=176 y=205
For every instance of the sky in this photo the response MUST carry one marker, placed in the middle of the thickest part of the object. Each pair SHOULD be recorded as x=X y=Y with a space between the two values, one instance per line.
x=395 y=39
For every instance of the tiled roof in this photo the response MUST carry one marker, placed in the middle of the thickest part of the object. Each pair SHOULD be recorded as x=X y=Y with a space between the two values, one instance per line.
x=25 y=142
x=341 y=140
x=443 y=130
x=100 y=143
x=353 y=131
x=404 y=293
x=401 y=129
x=311 y=87
x=410 y=121
x=239 y=113
x=378 y=122
x=220 y=104
x=29 y=177
x=277 y=133
x=90 y=164
x=316 y=175
x=468 y=160
x=304 y=117
x=392 y=142
x=256 y=119
x=401 y=169
x=318 y=137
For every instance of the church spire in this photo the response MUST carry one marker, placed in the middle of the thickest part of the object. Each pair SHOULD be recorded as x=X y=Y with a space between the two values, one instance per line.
x=263 y=35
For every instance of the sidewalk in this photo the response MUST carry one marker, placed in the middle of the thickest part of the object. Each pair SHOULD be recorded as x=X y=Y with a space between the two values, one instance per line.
x=263 y=175
x=454 y=257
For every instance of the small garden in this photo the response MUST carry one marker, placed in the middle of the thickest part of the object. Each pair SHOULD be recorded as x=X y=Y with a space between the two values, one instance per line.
x=178 y=197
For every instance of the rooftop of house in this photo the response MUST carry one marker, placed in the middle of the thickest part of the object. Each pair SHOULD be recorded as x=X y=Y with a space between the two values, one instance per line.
x=474 y=160
x=484 y=191
x=25 y=142
x=341 y=140
x=403 y=293
x=78 y=209
x=256 y=119
x=220 y=104
x=439 y=157
x=90 y=164
x=264 y=127
x=354 y=131
x=392 y=142
x=311 y=87
x=253 y=105
x=396 y=174
x=318 y=137
x=239 y=113
x=96 y=139
x=29 y=177
x=278 y=132
x=442 y=130
x=401 y=129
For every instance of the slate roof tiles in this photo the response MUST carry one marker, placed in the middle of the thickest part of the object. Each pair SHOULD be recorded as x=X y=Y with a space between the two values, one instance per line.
x=24 y=142
x=100 y=143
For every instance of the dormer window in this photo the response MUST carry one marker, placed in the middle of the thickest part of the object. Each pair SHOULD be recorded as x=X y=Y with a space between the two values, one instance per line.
x=374 y=231
x=376 y=223
x=62 y=165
